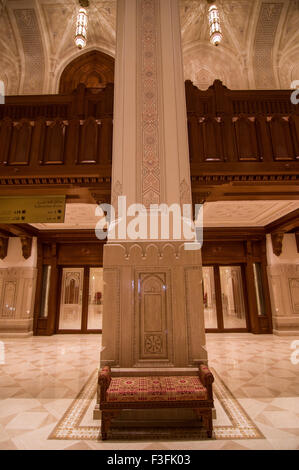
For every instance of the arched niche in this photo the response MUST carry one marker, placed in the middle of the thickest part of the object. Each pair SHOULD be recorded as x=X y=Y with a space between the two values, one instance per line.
x=95 y=69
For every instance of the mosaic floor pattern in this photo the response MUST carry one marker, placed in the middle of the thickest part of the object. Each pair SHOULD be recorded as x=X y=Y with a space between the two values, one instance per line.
x=257 y=391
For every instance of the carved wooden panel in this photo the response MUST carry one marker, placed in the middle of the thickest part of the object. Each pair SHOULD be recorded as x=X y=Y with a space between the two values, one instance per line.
x=80 y=254
x=95 y=69
x=20 y=143
x=5 y=139
x=211 y=138
x=246 y=139
x=89 y=141
x=281 y=138
x=54 y=142
x=215 y=252
x=153 y=316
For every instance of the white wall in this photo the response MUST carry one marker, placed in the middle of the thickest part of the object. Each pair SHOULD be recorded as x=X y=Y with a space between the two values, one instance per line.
x=283 y=275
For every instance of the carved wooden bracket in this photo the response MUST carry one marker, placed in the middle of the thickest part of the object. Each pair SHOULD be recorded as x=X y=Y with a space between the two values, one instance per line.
x=277 y=239
x=26 y=246
x=3 y=247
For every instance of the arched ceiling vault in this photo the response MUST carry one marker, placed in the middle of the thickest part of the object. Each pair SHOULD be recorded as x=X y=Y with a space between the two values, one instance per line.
x=260 y=48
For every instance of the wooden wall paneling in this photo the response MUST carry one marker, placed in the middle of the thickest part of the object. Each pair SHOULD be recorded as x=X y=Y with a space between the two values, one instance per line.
x=80 y=254
x=105 y=141
x=294 y=124
x=281 y=139
x=38 y=134
x=264 y=138
x=72 y=142
x=246 y=138
x=252 y=300
x=5 y=139
x=53 y=153
x=229 y=140
x=195 y=140
x=218 y=294
x=85 y=302
x=109 y=98
x=20 y=143
x=39 y=287
x=53 y=294
x=89 y=139
x=211 y=129
x=265 y=322
x=223 y=252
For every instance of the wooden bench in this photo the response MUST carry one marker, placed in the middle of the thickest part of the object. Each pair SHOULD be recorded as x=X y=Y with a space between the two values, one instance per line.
x=128 y=393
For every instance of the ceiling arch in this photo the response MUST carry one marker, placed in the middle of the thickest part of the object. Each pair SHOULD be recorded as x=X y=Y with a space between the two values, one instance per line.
x=259 y=49
x=95 y=69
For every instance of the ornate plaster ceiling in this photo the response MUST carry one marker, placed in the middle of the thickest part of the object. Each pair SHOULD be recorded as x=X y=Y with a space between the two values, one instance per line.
x=260 y=47
x=246 y=213
x=216 y=214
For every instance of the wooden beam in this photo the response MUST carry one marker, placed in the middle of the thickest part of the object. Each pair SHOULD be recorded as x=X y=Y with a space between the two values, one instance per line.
x=284 y=224
x=19 y=230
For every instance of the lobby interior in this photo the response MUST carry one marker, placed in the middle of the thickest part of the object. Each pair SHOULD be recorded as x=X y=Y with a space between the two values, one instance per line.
x=149 y=108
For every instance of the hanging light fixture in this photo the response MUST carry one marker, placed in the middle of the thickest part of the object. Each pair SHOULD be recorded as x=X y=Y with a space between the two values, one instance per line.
x=215 y=27
x=81 y=26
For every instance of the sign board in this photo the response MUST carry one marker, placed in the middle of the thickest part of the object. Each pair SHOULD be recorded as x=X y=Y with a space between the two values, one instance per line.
x=32 y=209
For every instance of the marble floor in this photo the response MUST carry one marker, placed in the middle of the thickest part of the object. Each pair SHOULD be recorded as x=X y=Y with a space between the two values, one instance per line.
x=40 y=378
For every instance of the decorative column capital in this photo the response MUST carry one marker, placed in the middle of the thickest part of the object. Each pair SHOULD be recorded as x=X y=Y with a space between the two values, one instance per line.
x=26 y=246
x=277 y=239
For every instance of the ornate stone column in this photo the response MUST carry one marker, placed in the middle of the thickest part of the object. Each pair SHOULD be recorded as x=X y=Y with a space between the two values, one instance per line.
x=153 y=310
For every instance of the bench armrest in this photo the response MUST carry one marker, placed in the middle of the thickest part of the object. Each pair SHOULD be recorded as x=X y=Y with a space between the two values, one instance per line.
x=104 y=382
x=207 y=379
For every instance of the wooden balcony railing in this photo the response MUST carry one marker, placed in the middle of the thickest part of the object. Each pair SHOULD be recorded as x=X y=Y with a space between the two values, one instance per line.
x=57 y=136
x=231 y=133
x=239 y=132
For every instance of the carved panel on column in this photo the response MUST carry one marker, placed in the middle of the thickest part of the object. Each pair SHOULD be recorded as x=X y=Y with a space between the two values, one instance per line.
x=294 y=292
x=111 y=353
x=153 y=321
x=151 y=184
x=153 y=330
x=26 y=246
x=3 y=247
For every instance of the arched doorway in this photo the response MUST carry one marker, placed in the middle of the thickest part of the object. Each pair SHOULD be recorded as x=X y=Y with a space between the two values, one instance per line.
x=95 y=69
